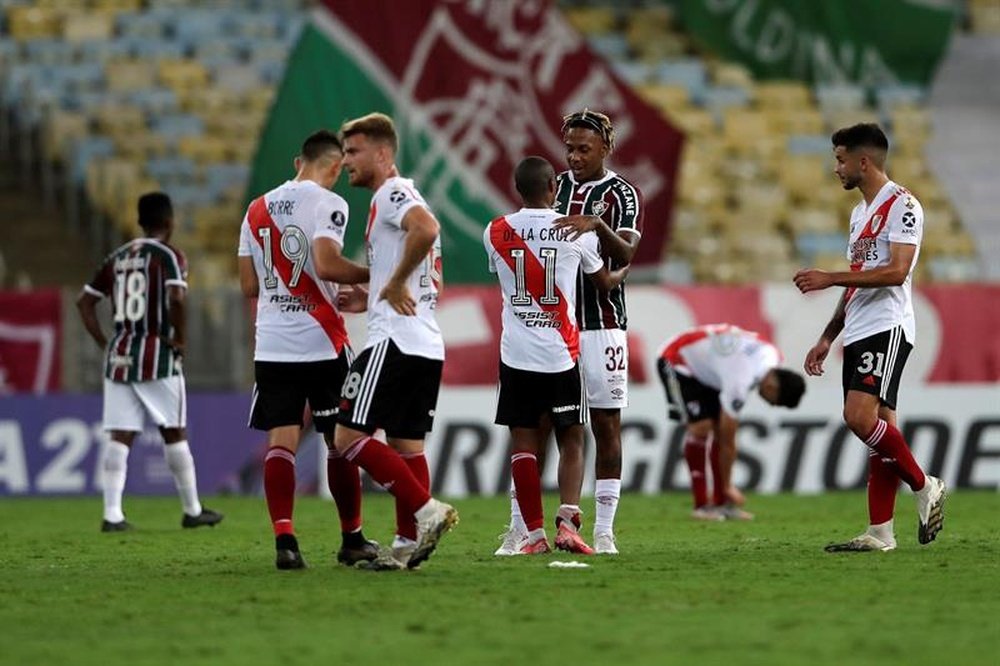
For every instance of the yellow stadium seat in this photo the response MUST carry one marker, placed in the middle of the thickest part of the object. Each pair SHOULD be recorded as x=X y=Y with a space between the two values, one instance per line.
x=696 y=122
x=784 y=95
x=744 y=129
x=791 y=121
x=204 y=149
x=182 y=74
x=804 y=175
x=116 y=5
x=129 y=75
x=141 y=145
x=815 y=220
x=733 y=75
x=665 y=97
x=61 y=127
x=82 y=26
x=33 y=22
x=591 y=20
x=115 y=118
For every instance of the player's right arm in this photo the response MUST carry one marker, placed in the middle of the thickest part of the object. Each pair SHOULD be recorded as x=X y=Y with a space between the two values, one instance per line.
x=249 y=283
x=819 y=351
x=86 y=302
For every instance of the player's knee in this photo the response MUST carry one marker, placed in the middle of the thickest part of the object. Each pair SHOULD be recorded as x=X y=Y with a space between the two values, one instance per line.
x=859 y=419
x=700 y=430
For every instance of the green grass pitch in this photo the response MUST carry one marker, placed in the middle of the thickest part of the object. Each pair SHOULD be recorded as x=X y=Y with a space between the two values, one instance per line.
x=682 y=592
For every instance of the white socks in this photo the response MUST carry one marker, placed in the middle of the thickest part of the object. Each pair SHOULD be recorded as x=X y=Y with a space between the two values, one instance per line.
x=181 y=464
x=606 y=495
x=883 y=532
x=115 y=465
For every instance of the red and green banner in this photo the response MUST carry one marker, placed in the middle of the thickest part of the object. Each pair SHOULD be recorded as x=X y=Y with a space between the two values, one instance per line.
x=473 y=88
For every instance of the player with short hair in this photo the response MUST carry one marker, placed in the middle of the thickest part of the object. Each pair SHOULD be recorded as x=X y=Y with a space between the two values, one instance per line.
x=595 y=198
x=708 y=373
x=146 y=280
x=537 y=266
x=875 y=314
x=393 y=384
x=290 y=257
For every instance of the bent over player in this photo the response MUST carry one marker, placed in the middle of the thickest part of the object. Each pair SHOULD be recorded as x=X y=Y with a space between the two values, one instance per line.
x=146 y=280
x=289 y=253
x=537 y=265
x=875 y=314
x=708 y=373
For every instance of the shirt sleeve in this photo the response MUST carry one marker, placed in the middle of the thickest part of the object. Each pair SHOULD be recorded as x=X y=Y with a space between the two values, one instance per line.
x=628 y=208
x=491 y=260
x=331 y=219
x=103 y=281
x=398 y=202
x=906 y=220
x=175 y=272
x=246 y=242
x=590 y=258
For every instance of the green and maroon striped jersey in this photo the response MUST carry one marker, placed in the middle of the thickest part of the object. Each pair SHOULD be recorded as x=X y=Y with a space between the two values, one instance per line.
x=136 y=277
x=619 y=204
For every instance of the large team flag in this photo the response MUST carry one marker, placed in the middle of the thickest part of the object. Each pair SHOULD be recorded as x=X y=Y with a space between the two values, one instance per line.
x=473 y=88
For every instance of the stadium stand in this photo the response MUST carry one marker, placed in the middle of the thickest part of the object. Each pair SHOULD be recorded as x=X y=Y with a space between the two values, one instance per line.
x=110 y=98
x=756 y=194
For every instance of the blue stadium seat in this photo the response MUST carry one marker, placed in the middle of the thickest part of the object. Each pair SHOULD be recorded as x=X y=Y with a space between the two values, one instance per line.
x=688 y=73
x=888 y=97
x=103 y=51
x=85 y=150
x=719 y=98
x=612 y=46
x=632 y=72
x=148 y=25
x=811 y=244
x=153 y=100
x=154 y=49
x=49 y=51
x=840 y=96
x=809 y=144
x=165 y=169
x=175 y=126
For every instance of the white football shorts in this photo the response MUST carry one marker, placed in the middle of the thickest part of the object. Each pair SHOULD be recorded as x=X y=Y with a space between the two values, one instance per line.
x=127 y=403
x=604 y=359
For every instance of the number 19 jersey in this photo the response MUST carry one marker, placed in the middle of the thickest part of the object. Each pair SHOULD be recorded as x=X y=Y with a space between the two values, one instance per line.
x=297 y=319
x=538 y=267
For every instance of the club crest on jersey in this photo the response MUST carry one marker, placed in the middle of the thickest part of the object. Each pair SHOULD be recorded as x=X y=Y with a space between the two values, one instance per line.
x=599 y=207
x=909 y=202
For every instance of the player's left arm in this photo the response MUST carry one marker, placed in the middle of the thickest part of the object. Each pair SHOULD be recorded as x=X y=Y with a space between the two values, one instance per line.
x=422 y=230
x=905 y=229
x=892 y=274
x=178 y=316
x=249 y=284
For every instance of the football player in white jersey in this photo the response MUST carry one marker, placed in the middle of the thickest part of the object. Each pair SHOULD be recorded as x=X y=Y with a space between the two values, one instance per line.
x=393 y=384
x=537 y=266
x=709 y=373
x=875 y=314
x=290 y=247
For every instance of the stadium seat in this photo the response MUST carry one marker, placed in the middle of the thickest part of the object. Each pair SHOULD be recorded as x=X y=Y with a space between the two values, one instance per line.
x=142 y=25
x=689 y=73
x=129 y=75
x=84 y=26
x=60 y=129
x=784 y=95
x=591 y=20
x=179 y=75
x=49 y=51
x=665 y=97
x=25 y=23
x=839 y=98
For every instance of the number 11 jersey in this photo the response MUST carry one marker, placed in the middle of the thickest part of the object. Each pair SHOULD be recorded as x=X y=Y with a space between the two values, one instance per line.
x=297 y=319
x=538 y=266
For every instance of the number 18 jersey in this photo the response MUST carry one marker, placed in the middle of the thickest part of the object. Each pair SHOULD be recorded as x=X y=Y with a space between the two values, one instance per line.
x=137 y=277
x=297 y=318
x=538 y=267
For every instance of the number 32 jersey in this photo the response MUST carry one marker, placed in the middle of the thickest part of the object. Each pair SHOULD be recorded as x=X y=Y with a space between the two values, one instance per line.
x=297 y=319
x=538 y=267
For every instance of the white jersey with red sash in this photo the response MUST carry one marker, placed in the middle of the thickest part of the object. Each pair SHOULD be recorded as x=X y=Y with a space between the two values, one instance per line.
x=297 y=320
x=537 y=267
x=385 y=239
x=894 y=216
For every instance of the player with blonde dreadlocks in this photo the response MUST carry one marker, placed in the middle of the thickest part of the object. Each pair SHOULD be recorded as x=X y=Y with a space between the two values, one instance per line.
x=593 y=199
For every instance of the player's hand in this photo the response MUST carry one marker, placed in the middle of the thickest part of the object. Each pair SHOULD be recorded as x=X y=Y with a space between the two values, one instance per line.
x=352 y=298
x=398 y=296
x=812 y=279
x=579 y=224
x=177 y=346
x=815 y=357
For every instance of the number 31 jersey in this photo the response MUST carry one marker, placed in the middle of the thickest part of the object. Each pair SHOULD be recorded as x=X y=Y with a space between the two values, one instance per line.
x=297 y=319
x=538 y=267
